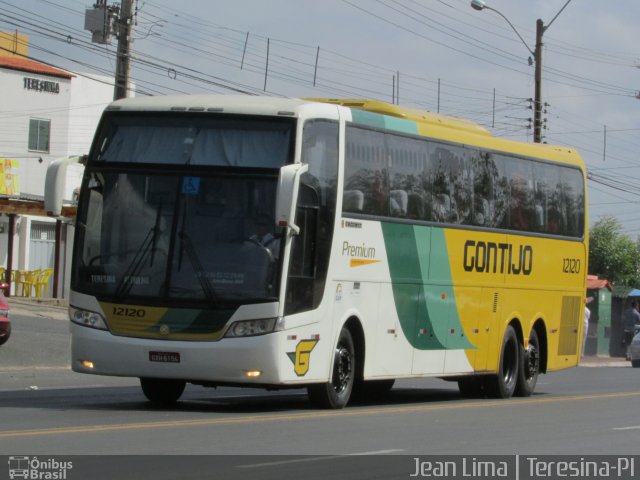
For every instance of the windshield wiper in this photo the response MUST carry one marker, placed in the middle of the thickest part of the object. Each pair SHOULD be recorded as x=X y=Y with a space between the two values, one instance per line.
x=149 y=244
x=186 y=245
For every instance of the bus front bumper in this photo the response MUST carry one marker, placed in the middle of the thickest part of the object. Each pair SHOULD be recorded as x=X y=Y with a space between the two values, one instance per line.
x=248 y=360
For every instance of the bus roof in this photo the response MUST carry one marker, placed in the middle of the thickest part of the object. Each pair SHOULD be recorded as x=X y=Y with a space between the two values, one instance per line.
x=210 y=103
x=415 y=114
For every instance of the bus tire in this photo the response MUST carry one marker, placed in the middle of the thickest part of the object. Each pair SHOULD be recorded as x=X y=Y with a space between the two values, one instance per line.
x=336 y=393
x=503 y=384
x=635 y=363
x=162 y=391
x=529 y=366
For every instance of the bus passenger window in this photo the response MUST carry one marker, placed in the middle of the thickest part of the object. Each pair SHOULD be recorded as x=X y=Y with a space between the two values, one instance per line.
x=415 y=207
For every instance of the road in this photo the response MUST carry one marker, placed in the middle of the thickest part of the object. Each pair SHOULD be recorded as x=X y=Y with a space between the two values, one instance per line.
x=48 y=410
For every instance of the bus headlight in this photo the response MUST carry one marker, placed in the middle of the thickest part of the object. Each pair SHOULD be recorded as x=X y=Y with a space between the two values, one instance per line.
x=251 y=328
x=87 y=318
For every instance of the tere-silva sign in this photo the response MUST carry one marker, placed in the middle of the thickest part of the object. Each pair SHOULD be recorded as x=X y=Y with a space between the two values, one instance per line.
x=41 y=85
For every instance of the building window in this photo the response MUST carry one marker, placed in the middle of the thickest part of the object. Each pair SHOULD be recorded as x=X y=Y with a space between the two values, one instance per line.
x=39 y=131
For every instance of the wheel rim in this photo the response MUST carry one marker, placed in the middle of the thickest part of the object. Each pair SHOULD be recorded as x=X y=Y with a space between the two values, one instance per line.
x=509 y=362
x=532 y=360
x=343 y=369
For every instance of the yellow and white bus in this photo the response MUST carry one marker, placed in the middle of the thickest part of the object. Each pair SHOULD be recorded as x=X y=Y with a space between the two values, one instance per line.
x=330 y=244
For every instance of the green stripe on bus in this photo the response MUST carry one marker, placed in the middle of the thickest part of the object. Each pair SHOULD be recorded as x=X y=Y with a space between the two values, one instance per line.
x=194 y=321
x=401 y=125
x=367 y=118
x=427 y=313
x=384 y=121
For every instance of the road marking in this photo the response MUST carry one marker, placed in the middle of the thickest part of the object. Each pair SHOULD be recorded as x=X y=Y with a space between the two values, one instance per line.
x=318 y=459
x=37 y=368
x=635 y=427
x=309 y=416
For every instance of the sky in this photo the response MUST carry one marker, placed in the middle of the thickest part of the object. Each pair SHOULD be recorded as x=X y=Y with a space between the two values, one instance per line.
x=439 y=55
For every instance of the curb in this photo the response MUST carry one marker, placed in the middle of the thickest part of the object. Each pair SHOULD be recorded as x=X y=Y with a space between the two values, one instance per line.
x=35 y=302
x=603 y=361
x=615 y=363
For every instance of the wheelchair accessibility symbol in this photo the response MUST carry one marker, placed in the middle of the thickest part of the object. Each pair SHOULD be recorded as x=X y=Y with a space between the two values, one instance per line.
x=191 y=185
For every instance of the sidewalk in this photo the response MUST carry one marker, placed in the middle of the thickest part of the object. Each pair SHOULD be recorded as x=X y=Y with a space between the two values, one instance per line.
x=42 y=307
x=602 y=361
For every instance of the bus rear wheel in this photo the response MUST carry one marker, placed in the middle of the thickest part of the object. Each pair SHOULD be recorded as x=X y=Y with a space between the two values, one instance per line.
x=529 y=366
x=336 y=393
x=503 y=384
x=162 y=391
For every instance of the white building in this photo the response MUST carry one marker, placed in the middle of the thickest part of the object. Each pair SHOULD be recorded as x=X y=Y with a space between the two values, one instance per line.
x=45 y=113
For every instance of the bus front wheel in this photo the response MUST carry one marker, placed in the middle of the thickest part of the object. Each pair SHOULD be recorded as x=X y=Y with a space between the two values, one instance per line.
x=336 y=393
x=503 y=384
x=162 y=391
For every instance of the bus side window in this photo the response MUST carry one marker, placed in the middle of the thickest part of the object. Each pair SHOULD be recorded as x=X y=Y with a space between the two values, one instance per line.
x=547 y=198
x=572 y=201
x=366 y=170
x=520 y=195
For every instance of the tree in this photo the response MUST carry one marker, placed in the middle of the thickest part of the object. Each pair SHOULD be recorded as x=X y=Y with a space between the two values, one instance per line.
x=613 y=254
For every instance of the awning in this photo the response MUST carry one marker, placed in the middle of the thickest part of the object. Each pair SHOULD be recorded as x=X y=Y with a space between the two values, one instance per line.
x=24 y=205
x=594 y=283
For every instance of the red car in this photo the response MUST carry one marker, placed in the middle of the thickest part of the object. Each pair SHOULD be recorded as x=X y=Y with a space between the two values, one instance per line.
x=5 y=324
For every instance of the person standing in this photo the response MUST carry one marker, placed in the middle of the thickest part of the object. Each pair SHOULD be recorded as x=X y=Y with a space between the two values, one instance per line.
x=630 y=320
x=585 y=327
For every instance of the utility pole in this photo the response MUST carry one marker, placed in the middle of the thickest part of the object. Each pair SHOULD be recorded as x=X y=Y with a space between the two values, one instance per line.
x=123 y=61
x=537 y=59
x=537 y=102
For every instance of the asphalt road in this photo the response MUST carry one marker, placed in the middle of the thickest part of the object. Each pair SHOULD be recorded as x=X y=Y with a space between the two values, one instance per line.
x=48 y=410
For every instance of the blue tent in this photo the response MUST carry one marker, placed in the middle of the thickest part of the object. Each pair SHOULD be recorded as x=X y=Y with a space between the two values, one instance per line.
x=634 y=293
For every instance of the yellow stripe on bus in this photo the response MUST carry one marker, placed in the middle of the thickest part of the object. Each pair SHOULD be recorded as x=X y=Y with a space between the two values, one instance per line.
x=359 y=262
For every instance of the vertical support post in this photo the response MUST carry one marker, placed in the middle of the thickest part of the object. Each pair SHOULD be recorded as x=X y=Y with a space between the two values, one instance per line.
x=123 y=60
x=493 y=119
x=244 y=51
x=11 y=234
x=315 y=70
x=398 y=89
x=266 y=67
x=56 y=259
x=393 y=92
x=537 y=102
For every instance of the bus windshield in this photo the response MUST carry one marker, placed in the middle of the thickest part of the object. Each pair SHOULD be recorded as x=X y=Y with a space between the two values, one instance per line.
x=191 y=234
x=195 y=140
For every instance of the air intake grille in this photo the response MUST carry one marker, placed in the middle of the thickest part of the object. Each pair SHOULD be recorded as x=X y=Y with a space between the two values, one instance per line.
x=569 y=321
x=495 y=302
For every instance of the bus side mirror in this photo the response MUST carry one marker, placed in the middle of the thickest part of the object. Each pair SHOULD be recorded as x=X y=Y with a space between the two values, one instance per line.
x=287 y=196
x=55 y=183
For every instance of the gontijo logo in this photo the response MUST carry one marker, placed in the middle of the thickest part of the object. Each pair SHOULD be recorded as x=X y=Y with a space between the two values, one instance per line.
x=359 y=254
x=302 y=356
x=491 y=257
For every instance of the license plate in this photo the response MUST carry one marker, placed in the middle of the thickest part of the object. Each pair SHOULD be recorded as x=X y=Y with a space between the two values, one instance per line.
x=166 y=357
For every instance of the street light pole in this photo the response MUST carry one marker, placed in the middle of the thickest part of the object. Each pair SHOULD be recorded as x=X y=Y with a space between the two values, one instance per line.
x=537 y=59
